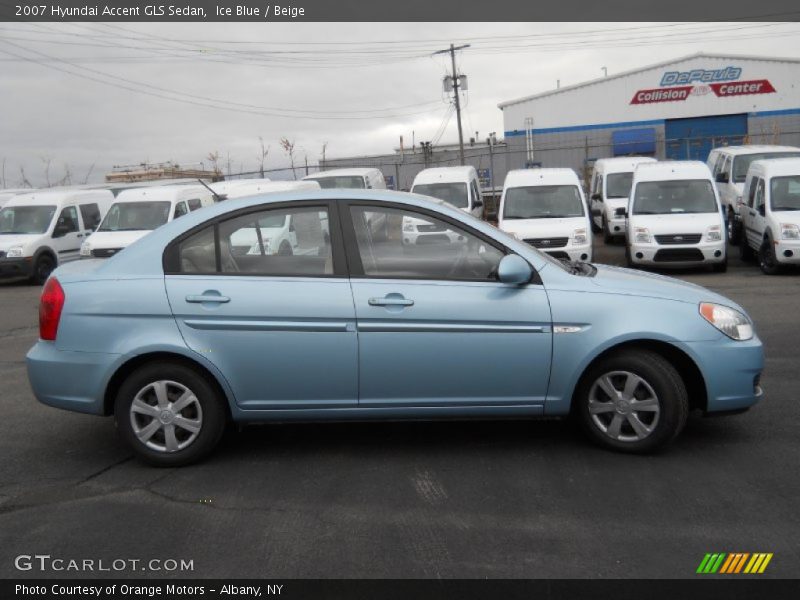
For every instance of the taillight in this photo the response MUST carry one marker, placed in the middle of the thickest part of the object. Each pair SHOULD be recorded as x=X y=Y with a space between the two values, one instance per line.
x=50 y=305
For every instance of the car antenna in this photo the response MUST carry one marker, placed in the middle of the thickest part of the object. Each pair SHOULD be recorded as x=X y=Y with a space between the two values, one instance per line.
x=219 y=197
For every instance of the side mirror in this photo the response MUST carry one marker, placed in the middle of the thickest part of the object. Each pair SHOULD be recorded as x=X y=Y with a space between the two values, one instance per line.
x=597 y=196
x=477 y=203
x=514 y=270
x=722 y=177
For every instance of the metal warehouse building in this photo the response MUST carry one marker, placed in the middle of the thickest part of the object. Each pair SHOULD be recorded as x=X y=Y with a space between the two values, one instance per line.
x=672 y=110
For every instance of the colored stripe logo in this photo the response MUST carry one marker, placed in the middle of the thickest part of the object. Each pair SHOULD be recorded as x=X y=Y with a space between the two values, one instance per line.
x=734 y=563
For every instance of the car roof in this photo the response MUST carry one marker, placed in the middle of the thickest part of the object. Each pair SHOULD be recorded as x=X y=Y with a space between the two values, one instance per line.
x=771 y=167
x=672 y=169
x=754 y=149
x=356 y=172
x=444 y=174
x=530 y=177
x=621 y=164
x=58 y=197
x=166 y=193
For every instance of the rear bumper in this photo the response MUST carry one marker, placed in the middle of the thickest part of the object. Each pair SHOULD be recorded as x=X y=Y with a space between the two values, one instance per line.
x=616 y=225
x=16 y=267
x=70 y=380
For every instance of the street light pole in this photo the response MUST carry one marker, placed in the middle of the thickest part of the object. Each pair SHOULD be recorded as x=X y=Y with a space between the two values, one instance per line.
x=456 y=86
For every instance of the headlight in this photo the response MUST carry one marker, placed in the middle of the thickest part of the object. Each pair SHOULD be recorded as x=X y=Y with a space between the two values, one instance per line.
x=15 y=252
x=409 y=227
x=86 y=249
x=641 y=235
x=729 y=321
x=579 y=237
x=714 y=234
x=790 y=231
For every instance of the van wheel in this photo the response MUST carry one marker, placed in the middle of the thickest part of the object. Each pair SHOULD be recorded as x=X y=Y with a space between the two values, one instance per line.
x=595 y=228
x=745 y=251
x=734 y=228
x=607 y=237
x=169 y=414
x=632 y=401
x=285 y=249
x=766 y=258
x=42 y=268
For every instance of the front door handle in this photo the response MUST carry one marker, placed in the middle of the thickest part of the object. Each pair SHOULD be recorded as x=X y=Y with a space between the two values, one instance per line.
x=390 y=301
x=207 y=298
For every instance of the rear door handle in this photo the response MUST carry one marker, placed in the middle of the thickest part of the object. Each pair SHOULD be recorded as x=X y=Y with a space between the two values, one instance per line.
x=207 y=298
x=390 y=302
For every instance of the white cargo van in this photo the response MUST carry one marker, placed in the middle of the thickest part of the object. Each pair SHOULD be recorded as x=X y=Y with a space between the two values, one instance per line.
x=546 y=209
x=729 y=165
x=609 y=190
x=136 y=212
x=221 y=188
x=771 y=214
x=41 y=230
x=252 y=187
x=458 y=186
x=7 y=194
x=349 y=179
x=674 y=217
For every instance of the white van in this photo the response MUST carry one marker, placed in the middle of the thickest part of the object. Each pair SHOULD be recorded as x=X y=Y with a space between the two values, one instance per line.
x=458 y=186
x=136 y=212
x=546 y=209
x=41 y=230
x=609 y=190
x=7 y=194
x=221 y=188
x=729 y=165
x=771 y=213
x=349 y=179
x=252 y=187
x=674 y=217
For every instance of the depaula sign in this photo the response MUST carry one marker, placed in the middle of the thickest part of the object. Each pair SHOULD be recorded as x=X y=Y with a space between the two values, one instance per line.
x=677 y=86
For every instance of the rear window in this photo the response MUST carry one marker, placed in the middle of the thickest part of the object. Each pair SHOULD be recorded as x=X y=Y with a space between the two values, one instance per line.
x=91 y=215
x=690 y=196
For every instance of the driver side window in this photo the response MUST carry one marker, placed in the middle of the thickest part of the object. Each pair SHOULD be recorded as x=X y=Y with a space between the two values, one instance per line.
x=759 y=193
x=401 y=244
x=67 y=221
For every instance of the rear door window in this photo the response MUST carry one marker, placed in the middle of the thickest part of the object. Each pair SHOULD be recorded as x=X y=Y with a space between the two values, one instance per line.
x=180 y=210
x=91 y=215
x=194 y=204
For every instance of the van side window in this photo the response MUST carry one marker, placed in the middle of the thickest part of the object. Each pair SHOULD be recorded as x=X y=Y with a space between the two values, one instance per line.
x=476 y=193
x=91 y=215
x=68 y=220
x=759 y=193
x=180 y=210
x=718 y=160
x=194 y=203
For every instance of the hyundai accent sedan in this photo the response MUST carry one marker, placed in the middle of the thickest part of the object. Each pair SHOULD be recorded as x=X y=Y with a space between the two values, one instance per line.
x=186 y=330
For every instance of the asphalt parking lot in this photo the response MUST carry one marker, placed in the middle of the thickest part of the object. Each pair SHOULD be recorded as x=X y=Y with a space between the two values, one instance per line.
x=446 y=499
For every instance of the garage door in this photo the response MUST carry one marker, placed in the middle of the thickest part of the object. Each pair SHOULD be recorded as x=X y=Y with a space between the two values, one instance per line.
x=693 y=139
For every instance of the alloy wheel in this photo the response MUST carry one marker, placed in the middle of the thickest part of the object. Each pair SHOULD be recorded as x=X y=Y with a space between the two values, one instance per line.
x=624 y=406
x=166 y=416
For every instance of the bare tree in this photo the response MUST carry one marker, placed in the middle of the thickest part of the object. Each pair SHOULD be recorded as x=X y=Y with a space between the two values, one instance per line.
x=288 y=148
x=88 y=174
x=262 y=156
x=23 y=178
x=67 y=178
x=46 y=160
x=213 y=158
x=228 y=164
x=324 y=148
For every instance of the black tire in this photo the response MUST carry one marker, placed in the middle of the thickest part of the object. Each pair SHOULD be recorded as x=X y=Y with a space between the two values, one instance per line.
x=628 y=260
x=595 y=228
x=746 y=253
x=42 y=268
x=607 y=237
x=721 y=267
x=285 y=249
x=659 y=376
x=766 y=258
x=734 y=228
x=212 y=414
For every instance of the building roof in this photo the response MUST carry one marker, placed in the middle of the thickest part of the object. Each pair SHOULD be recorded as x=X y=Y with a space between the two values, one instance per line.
x=569 y=88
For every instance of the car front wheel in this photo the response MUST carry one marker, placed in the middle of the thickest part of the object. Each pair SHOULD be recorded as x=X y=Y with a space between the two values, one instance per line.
x=169 y=414
x=633 y=401
x=766 y=258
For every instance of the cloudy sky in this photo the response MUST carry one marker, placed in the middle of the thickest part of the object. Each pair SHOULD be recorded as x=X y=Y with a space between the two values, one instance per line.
x=87 y=96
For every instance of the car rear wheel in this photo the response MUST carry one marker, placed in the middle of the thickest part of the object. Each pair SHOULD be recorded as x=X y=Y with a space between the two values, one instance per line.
x=169 y=414
x=633 y=401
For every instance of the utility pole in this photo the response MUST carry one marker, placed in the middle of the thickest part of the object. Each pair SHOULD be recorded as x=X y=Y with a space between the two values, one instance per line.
x=456 y=87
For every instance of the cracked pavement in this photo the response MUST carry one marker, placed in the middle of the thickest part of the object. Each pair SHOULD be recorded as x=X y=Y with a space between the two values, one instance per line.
x=469 y=499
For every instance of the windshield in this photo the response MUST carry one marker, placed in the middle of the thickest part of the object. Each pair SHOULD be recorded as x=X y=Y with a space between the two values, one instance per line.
x=349 y=182
x=543 y=202
x=741 y=164
x=691 y=196
x=455 y=193
x=618 y=185
x=26 y=219
x=784 y=193
x=135 y=216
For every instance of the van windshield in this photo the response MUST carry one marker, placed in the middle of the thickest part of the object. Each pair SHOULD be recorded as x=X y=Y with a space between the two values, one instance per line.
x=347 y=182
x=784 y=193
x=135 y=216
x=618 y=185
x=690 y=196
x=26 y=219
x=454 y=192
x=741 y=164
x=543 y=202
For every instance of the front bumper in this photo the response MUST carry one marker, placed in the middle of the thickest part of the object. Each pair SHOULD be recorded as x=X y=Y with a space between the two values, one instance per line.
x=787 y=252
x=732 y=372
x=669 y=255
x=616 y=225
x=16 y=267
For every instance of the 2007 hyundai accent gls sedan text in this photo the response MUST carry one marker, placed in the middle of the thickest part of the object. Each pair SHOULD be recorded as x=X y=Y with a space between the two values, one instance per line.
x=357 y=316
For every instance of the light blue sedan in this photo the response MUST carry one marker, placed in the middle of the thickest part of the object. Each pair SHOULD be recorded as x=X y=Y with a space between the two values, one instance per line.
x=329 y=305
